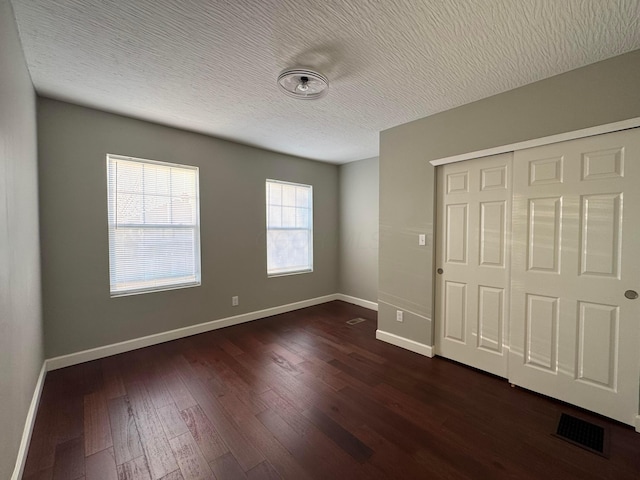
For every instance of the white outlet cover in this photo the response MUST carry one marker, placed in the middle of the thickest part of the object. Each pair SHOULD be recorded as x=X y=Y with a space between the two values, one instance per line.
x=399 y=316
x=422 y=239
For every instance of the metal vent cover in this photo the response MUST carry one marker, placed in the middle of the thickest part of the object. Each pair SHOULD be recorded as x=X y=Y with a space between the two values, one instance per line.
x=355 y=321
x=582 y=433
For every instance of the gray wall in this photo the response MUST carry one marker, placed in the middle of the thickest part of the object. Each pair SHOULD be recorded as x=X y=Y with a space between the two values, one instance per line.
x=359 y=229
x=600 y=93
x=79 y=314
x=21 y=354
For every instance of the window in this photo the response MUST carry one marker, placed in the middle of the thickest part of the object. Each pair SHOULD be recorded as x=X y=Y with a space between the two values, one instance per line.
x=289 y=228
x=154 y=225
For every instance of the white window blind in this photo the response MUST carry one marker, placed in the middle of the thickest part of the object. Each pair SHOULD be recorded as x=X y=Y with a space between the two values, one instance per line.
x=154 y=225
x=289 y=228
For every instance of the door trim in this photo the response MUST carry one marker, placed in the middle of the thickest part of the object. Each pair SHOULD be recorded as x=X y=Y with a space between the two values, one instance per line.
x=537 y=142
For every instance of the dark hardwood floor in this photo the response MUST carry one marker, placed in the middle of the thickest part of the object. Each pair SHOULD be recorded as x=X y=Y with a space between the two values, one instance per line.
x=299 y=396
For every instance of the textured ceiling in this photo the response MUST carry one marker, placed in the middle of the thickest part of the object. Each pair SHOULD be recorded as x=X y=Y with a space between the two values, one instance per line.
x=211 y=66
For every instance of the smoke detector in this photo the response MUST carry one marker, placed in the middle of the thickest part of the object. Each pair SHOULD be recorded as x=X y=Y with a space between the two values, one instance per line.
x=303 y=83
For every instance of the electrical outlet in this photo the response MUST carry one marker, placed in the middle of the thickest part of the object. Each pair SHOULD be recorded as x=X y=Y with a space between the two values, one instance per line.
x=422 y=239
x=399 y=316
x=234 y=301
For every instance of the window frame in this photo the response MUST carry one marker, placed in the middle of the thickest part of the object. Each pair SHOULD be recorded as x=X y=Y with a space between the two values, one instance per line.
x=310 y=229
x=111 y=213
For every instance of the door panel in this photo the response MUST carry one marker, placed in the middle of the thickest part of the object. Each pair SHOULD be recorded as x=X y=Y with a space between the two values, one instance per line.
x=600 y=232
x=490 y=318
x=541 y=325
x=597 y=345
x=472 y=293
x=455 y=311
x=457 y=233
x=544 y=234
x=576 y=224
x=492 y=233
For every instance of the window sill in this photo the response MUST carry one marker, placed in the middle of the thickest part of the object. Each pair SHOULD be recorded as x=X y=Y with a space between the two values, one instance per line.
x=286 y=274
x=141 y=291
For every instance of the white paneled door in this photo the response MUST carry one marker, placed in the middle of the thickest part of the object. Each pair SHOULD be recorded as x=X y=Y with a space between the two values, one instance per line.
x=472 y=288
x=539 y=272
x=575 y=319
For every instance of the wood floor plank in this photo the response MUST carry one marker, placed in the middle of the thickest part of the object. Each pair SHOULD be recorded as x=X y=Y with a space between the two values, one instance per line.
x=342 y=437
x=217 y=363
x=227 y=467
x=192 y=464
x=97 y=429
x=113 y=385
x=211 y=444
x=263 y=471
x=396 y=463
x=126 y=438
x=172 y=421
x=260 y=436
x=331 y=443
x=69 y=460
x=315 y=459
x=46 y=474
x=283 y=352
x=160 y=395
x=179 y=391
x=245 y=452
x=177 y=475
x=229 y=347
x=136 y=469
x=416 y=438
x=250 y=377
x=154 y=442
x=101 y=465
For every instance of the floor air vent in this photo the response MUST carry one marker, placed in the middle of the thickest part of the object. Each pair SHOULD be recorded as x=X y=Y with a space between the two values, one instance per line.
x=582 y=433
x=353 y=321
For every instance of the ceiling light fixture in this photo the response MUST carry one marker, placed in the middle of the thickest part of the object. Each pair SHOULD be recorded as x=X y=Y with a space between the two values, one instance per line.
x=303 y=83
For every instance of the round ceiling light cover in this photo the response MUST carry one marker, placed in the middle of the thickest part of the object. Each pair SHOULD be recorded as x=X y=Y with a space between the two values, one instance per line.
x=303 y=83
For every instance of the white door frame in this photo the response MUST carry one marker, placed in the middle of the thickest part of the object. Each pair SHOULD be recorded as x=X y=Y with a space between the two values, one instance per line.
x=561 y=137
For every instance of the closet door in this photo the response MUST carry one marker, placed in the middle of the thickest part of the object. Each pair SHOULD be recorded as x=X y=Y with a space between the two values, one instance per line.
x=575 y=316
x=472 y=252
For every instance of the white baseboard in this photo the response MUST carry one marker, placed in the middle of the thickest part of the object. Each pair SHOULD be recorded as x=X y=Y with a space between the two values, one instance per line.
x=638 y=423
x=357 y=301
x=134 y=344
x=28 y=426
x=405 y=343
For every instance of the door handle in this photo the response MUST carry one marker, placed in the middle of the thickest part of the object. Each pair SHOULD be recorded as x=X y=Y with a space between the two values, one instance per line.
x=631 y=294
x=441 y=271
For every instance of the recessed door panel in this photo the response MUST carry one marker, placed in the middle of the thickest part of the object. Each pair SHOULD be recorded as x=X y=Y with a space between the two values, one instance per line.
x=541 y=324
x=600 y=230
x=545 y=171
x=603 y=164
x=457 y=233
x=455 y=311
x=544 y=234
x=494 y=178
x=598 y=344
x=490 y=318
x=492 y=233
x=458 y=182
